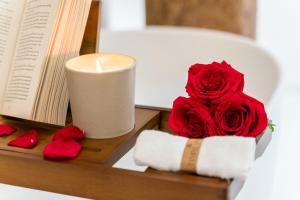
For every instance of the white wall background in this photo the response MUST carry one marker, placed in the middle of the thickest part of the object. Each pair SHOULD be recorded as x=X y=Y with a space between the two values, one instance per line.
x=279 y=32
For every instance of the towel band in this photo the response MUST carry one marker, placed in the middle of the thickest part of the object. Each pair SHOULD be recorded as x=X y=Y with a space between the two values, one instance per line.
x=190 y=155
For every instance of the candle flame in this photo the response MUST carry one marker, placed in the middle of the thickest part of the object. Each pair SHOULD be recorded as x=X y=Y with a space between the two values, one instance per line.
x=98 y=65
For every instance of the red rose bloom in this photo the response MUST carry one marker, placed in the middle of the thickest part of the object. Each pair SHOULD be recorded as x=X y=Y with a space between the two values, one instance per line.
x=212 y=83
x=191 y=119
x=240 y=115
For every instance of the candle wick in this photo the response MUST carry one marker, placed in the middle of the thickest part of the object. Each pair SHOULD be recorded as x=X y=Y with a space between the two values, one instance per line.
x=98 y=65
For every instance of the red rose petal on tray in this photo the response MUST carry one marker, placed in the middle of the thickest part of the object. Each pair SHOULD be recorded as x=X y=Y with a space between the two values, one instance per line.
x=27 y=140
x=69 y=132
x=6 y=129
x=62 y=149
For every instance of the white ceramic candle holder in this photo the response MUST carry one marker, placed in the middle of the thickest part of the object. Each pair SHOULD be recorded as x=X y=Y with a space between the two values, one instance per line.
x=101 y=89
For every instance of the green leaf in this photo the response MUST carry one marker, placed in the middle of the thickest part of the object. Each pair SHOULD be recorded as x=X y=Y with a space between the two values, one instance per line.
x=271 y=126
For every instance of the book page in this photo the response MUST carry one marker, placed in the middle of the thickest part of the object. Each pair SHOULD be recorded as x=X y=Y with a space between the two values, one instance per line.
x=52 y=102
x=10 y=17
x=32 y=43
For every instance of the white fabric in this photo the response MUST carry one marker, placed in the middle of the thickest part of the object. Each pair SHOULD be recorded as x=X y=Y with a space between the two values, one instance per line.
x=159 y=150
x=225 y=157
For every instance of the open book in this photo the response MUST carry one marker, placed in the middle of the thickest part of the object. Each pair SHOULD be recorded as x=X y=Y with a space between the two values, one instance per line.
x=37 y=37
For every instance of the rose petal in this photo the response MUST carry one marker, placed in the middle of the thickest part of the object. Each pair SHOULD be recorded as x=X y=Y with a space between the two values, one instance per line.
x=69 y=132
x=6 y=129
x=27 y=140
x=62 y=149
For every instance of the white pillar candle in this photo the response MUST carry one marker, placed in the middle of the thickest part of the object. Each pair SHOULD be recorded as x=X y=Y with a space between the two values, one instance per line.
x=101 y=88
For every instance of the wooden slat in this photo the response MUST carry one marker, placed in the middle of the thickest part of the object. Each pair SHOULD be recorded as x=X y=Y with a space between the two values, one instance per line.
x=102 y=182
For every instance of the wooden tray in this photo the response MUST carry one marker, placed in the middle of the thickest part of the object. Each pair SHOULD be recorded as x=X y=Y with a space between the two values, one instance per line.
x=91 y=174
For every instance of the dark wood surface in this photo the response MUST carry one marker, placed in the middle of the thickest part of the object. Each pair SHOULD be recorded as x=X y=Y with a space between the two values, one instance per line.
x=236 y=16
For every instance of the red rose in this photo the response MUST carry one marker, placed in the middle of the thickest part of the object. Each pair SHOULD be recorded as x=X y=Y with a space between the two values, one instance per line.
x=191 y=119
x=212 y=83
x=240 y=115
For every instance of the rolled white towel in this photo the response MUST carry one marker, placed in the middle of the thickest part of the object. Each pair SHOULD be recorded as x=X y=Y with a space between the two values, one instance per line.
x=219 y=156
